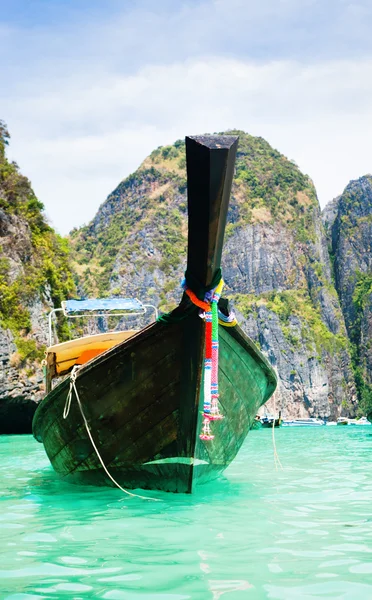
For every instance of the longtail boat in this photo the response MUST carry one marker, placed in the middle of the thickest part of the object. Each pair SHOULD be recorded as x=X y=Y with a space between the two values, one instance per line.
x=170 y=405
x=270 y=421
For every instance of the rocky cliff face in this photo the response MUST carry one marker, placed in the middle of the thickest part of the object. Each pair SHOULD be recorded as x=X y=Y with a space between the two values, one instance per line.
x=33 y=275
x=276 y=265
x=292 y=311
x=349 y=228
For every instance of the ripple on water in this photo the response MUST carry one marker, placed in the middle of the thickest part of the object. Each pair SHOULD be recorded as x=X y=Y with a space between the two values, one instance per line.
x=301 y=533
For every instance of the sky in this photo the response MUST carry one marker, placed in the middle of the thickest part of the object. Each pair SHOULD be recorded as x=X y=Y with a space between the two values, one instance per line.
x=90 y=87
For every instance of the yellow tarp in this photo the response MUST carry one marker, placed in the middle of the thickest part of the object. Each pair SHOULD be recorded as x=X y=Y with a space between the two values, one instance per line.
x=81 y=350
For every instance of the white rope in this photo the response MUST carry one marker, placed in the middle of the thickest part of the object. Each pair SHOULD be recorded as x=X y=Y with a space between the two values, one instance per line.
x=276 y=456
x=66 y=411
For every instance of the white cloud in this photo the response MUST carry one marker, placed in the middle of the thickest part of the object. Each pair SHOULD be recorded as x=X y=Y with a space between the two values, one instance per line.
x=88 y=95
x=77 y=138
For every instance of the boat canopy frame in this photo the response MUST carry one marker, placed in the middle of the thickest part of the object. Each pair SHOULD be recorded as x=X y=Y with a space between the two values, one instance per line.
x=100 y=307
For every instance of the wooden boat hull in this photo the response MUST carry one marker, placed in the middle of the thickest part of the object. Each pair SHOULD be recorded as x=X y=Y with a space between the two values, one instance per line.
x=269 y=424
x=143 y=401
x=256 y=425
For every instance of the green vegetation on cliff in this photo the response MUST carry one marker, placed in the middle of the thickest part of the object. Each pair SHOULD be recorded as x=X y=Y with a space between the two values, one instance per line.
x=361 y=298
x=34 y=262
x=267 y=188
x=270 y=188
x=350 y=238
x=151 y=200
x=275 y=256
x=296 y=303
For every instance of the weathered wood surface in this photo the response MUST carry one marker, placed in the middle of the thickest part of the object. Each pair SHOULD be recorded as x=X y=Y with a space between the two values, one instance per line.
x=144 y=398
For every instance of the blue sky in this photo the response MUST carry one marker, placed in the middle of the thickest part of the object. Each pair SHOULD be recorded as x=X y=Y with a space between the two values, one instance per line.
x=89 y=88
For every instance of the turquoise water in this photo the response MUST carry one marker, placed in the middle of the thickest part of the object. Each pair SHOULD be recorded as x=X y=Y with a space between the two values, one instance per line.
x=293 y=534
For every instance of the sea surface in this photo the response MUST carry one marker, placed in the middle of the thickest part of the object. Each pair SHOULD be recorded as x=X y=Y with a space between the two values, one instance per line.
x=296 y=533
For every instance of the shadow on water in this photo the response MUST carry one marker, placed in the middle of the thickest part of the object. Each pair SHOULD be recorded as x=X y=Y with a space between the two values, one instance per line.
x=45 y=485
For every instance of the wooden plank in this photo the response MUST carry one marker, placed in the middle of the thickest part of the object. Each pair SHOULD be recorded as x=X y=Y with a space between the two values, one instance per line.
x=50 y=371
x=114 y=440
x=100 y=378
x=109 y=408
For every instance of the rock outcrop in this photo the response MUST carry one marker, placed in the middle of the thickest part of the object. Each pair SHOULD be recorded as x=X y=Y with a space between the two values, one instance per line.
x=348 y=221
x=276 y=265
x=34 y=274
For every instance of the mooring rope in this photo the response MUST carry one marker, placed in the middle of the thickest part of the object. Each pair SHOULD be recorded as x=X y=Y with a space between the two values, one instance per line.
x=276 y=456
x=66 y=411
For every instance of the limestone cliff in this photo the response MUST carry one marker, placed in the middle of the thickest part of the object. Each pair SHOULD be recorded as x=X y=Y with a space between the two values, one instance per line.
x=276 y=265
x=349 y=227
x=34 y=274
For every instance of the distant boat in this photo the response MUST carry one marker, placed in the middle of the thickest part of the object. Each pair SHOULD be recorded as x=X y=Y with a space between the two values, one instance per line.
x=359 y=422
x=143 y=407
x=271 y=421
x=342 y=421
x=310 y=422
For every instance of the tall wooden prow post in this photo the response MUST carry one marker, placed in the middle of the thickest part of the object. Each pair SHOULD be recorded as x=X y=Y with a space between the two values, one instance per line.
x=210 y=170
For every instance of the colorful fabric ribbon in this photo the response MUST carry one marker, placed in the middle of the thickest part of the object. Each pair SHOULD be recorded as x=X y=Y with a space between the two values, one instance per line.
x=210 y=314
